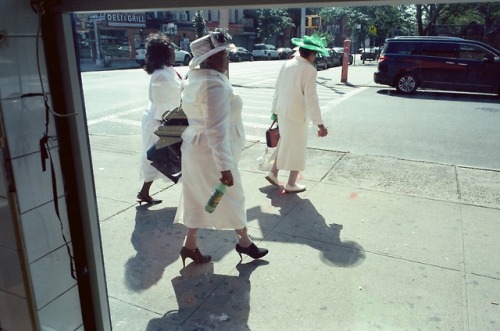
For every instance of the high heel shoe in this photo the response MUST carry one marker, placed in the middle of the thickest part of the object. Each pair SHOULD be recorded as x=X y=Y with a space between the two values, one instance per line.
x=252 y=251
x=195 y=255
x=150 y=201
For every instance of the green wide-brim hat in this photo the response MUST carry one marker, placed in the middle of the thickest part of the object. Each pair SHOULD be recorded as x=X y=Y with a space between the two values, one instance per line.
x=314 y=43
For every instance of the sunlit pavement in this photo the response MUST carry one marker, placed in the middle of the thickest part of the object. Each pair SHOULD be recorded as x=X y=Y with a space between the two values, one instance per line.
x=373 y=243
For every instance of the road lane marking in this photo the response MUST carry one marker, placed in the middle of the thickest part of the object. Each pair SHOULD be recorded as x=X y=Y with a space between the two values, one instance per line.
x=329 y=106
x=116 y=115
x=126 y=121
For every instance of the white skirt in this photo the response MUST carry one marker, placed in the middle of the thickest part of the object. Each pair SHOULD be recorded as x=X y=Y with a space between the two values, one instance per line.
x=199 y=179
x=149 y=125
x=292 y=145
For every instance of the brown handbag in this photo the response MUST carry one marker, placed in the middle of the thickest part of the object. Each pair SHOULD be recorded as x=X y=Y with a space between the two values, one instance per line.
x=273 y=135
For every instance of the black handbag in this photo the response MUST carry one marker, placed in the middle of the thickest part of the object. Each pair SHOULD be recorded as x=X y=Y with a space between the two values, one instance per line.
x=165 y=155
x=273 y=135
x=167 y=160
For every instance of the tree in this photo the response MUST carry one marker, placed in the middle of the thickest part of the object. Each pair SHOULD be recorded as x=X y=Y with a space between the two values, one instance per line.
x=271 y=21
x=199 y=24
x=465 y=13
x=354 y=22
x=477 y=21
x=427 y=17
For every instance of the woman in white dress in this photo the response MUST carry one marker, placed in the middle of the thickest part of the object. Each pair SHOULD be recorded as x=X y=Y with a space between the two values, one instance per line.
x=211 y=149
x=164 y=94
x=295 y=105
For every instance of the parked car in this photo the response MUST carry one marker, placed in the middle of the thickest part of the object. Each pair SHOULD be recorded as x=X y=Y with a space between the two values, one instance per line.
x=370 y=54
x=333 y=59
x=444 y=63
x=238 y=54
x=181 y=57
x=320 y=62
x=116 y=51
x=264 y=51
x=340 y=50
x=285 y=52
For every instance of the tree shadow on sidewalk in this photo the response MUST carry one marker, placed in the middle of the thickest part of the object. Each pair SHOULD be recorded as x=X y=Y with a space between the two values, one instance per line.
x=157 y=242
x=209 y=301
x=305 y=225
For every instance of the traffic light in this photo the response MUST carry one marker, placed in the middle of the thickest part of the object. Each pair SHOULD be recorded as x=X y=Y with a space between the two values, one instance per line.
x=313 y=21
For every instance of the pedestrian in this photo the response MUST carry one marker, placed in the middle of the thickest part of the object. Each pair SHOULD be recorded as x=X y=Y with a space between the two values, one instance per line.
x=295 y=104
x=211 y=149
x=164 y=94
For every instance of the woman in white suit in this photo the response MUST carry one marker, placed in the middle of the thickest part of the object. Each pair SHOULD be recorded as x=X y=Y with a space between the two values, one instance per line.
x=164 y=94
x=211 y=149
x=295 y=104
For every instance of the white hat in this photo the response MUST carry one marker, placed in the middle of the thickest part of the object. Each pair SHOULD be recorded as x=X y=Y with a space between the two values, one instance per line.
x=206 y=46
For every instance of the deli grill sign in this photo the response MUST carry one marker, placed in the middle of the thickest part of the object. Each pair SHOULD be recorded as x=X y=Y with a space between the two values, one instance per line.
x=126 y=20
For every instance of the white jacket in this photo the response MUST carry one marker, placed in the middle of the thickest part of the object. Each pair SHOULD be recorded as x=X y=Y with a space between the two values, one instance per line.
x=212 y=143
x=295 y=97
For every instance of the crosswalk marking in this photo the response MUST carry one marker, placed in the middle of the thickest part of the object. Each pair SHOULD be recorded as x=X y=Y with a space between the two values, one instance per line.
x=116 y=115
x=257 y=102
x=126 y=121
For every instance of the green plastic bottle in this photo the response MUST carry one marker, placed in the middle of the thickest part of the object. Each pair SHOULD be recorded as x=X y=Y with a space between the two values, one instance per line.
x=214 y=200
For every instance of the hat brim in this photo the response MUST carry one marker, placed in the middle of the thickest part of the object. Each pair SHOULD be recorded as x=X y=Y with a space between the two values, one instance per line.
x=299 y=42
x=196 y=60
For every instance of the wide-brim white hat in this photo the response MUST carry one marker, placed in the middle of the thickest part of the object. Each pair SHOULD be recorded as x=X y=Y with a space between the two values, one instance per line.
x=206 y=46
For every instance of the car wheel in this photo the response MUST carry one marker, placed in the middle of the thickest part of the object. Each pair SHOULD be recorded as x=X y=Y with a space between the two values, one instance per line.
x=407 y=83
x=186 y=60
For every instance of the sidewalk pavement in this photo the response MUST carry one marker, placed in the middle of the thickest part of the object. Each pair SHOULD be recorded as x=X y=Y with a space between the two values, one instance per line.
x=375 y=243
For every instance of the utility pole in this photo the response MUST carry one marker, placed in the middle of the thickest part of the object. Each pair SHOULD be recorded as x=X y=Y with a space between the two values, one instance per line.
x=302 y=22
x=97 y=45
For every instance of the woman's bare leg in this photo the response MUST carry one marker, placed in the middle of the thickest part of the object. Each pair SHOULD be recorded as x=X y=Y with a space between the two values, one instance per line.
x=292 y=178
x=190 y=240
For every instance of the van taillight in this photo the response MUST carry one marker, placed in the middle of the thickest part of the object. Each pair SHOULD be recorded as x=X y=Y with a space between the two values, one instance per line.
x=382 y=58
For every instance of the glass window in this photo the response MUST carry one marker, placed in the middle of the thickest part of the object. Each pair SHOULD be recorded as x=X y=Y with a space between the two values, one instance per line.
x=401 y=48
x=472 y=52
x=440 y=49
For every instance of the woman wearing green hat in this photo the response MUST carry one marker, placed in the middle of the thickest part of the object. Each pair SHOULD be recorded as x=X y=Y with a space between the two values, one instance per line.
x=296 y=104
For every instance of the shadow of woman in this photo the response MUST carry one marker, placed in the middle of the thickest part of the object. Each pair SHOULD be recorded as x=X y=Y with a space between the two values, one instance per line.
x=209 y=301
x=156 y=241
x=307 y=226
